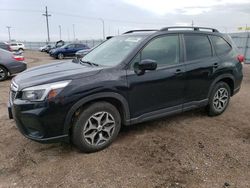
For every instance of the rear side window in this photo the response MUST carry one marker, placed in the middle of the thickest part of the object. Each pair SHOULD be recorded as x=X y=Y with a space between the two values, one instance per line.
x=13 y=44
x=220 y=45
x=197 y=47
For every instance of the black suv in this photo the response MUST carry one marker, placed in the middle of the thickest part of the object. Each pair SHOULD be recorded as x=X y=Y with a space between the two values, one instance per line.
x=135 y=77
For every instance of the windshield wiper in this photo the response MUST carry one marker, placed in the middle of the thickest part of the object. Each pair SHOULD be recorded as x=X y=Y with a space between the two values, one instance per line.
x=88 y=62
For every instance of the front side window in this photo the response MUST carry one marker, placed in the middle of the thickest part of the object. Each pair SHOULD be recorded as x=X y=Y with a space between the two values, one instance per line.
x=164 y=50
x=197 y=47
x=70 y=46
x=113 y=51
x=220 y=45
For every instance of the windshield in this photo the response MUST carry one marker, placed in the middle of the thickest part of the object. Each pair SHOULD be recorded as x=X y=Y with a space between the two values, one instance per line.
x=113 y=51
x=64 y=46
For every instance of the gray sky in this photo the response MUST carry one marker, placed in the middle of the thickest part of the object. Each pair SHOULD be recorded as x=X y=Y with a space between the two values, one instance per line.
x=25 y=16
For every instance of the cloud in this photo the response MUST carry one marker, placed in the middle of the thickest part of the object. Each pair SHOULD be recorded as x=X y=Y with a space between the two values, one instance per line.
x=119 y=15
x=191 y=7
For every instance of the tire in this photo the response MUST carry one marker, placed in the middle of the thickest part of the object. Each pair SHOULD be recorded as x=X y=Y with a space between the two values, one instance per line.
x=96 y=127
x=219 y=99
x=60 y=56
x=20 y=50
x=3 y=73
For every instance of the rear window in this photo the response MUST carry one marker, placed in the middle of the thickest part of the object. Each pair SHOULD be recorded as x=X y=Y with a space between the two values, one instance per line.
x=220 y=45
x=197 y=47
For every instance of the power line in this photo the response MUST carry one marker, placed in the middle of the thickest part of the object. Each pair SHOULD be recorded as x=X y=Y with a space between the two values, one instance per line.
x=87 y=17
x=47 y=21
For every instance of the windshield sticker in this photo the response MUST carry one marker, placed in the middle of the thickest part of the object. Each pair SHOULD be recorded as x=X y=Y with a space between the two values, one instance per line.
x=133 y=39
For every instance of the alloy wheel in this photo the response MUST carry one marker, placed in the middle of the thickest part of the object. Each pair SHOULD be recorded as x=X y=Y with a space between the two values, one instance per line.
x=220 y=99
x=2 y=73
x=99 y=128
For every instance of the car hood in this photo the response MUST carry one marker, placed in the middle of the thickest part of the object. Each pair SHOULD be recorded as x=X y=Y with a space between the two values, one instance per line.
x=54 y=72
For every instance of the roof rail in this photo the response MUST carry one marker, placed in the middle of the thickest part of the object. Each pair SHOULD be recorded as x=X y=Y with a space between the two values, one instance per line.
x=140 y=30
x=188 y=27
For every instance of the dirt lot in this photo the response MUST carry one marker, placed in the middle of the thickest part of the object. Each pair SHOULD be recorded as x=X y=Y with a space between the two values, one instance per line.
x=186 y=150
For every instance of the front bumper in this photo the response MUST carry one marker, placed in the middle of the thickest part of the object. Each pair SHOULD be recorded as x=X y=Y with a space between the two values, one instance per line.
x=38 y=122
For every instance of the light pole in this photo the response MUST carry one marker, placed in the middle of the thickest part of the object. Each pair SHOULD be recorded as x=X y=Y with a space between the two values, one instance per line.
x=60 y=32
x=74 y=34
x=8 y=27
x=103 y=28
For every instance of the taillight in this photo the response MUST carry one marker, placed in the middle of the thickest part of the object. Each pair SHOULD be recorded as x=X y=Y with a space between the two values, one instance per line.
x=18 y=58
x=241 y=58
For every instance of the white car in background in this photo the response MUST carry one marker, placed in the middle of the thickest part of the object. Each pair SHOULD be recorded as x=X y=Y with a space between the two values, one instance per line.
x=17 y=46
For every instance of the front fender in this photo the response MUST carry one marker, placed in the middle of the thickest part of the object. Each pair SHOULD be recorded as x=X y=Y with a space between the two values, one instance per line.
x=94 y=97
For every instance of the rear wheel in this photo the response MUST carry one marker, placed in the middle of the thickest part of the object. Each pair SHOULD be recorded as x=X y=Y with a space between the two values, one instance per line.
x=3 y=73
x=60 y=56
x=96 y=127
x=219 y=99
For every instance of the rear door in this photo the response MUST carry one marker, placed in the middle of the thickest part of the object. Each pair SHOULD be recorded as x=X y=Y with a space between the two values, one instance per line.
x=201 y=65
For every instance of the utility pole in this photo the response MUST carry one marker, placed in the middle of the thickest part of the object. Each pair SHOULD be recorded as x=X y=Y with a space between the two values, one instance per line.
x=68 y=34
x=192 y=24
x=103 y=28
x=8 y=27
x=74 y=34
x=60 y=32
x=47 y=21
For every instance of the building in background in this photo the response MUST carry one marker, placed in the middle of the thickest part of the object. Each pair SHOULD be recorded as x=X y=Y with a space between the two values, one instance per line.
x=242 y=41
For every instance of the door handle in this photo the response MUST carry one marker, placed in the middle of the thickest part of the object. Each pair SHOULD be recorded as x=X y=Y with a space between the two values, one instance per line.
x=178 y=72
x=216 y=65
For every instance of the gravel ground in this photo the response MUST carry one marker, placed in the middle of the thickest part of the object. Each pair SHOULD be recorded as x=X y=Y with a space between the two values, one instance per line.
x=186 y=150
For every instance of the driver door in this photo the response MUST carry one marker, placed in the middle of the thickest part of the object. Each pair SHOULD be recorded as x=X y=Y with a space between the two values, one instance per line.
x=159 y=91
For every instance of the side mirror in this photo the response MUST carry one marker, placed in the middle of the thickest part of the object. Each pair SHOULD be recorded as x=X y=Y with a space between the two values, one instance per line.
x=146 y=64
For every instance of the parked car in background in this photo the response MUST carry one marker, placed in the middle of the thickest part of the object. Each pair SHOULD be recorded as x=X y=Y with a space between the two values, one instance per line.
x=81 y=53
x=17 y=46
x=132 y=78
x=44 y=48
x=10 y=64
x=58 y=44
x=67 y=50
x=5 y=46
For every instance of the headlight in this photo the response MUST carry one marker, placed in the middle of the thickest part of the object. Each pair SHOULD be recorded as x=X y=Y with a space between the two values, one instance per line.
x=40 y=92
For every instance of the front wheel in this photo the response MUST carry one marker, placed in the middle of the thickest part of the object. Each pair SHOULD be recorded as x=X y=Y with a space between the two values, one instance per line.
x=60 y=56
x=96 y=127
x=219 y=99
